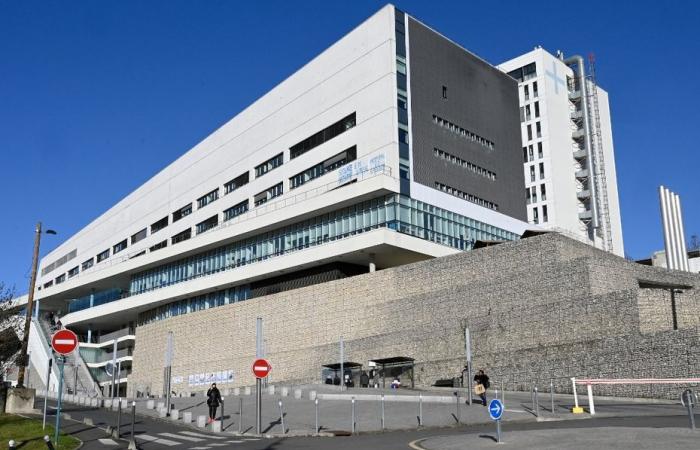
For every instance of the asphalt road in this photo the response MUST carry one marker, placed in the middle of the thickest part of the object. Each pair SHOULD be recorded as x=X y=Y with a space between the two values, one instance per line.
x=155 y=434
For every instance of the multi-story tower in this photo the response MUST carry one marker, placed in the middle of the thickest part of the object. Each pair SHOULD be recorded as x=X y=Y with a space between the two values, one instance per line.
x=392 y=146
x=567 y=148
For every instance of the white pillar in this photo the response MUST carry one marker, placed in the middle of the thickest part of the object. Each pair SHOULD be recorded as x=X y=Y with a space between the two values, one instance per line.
x=372 y=264
x=685 y=265
x=666 y=226
x=591 y=407
x=675 y=231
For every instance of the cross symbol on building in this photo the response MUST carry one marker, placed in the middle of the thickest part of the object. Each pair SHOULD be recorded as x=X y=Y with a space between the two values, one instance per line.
x=553 y=75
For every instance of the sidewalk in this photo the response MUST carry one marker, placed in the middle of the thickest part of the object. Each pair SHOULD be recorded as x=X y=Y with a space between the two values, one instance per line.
x=619 y=438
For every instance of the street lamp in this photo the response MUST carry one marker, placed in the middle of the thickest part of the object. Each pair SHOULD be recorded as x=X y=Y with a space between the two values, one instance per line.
x=23 y=362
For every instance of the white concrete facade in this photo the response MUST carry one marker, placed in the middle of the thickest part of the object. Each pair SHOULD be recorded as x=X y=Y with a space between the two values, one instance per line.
x=562 y=191
x=356 y=75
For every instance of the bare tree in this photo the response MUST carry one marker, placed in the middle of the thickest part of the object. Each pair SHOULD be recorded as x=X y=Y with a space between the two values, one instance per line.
x=10 y=327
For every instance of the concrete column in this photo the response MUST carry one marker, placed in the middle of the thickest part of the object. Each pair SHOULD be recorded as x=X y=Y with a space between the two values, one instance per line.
x=89 y=336
x=372 y=264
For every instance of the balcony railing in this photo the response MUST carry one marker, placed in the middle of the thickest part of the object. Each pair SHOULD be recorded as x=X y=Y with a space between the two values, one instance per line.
x=116 y=334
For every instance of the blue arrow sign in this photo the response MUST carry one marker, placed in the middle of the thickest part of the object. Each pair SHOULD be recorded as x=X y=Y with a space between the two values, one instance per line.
x=495 y=409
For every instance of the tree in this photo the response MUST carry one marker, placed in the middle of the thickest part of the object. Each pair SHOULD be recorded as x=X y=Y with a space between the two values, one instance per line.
x=10 y=327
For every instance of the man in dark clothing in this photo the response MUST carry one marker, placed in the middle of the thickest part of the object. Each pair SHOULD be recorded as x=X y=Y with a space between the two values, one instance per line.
x=482 y=379
x=364 y=379
x=213 y=400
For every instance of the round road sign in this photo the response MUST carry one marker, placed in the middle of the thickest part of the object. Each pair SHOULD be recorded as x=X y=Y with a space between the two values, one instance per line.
x=64 y=342
x=261 y=368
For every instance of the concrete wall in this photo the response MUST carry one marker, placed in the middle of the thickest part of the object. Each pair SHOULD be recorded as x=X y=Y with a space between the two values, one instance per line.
x=542 y=307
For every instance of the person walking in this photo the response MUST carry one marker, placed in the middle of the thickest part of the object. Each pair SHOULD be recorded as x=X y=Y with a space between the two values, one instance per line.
x=482 y=383
x=213 y=400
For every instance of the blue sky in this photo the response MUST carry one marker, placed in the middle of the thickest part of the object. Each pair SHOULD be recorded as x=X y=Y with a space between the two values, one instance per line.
x=96 y=97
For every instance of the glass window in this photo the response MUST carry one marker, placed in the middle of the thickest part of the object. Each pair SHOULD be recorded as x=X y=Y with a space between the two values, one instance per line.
x=268 y=194
x=208 y=224
x=162 y=223
x=159 y=245
x=119 y=247
x=269 y=165
x=236 y=210
x=206 y=199
x=73 y=272
x=182 y=236
x=87 y=264
x=236 y=183
x=103 y=255
x=322 y=136
x=138 y=236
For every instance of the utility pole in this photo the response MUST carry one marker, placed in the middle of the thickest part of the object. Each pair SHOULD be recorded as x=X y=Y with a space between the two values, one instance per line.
x=23 y=357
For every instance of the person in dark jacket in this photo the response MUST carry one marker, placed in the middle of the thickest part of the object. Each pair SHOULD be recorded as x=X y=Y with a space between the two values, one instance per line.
x=482 y=379
x=213 y=400
x=364 y=379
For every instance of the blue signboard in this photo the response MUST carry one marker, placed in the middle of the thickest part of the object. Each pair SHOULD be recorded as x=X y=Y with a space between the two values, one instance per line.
x=495 y=409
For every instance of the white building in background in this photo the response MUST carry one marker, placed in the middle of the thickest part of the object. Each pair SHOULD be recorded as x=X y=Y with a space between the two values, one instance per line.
x=365 y=158
x=567 y=145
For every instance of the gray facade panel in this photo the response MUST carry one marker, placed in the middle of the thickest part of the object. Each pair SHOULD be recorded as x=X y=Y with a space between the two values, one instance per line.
x=481 y=99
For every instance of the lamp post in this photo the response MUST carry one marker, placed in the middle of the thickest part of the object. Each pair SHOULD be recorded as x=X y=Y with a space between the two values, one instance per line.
x=23 y=359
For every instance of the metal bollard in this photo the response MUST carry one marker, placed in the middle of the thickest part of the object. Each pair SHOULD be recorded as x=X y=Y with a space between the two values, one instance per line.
x=551 y=394
x=118 y=431
x=420 y=410
x=240 y=415
x=316 y=407
x=459 y=411
x=132 y=441
x=353 y=415
x=537 y=403
x=688 y=398
x=49 y=444
x=222 y=413
x=282 y=417
x=503 y=392
x=383 y=423
x=12 y=444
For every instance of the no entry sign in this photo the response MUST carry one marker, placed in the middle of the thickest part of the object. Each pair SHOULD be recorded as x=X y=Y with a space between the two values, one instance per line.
x=64 y=342
x=261 y=368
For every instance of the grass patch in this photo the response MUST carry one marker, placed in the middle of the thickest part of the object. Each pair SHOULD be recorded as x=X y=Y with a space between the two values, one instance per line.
x=28 y=435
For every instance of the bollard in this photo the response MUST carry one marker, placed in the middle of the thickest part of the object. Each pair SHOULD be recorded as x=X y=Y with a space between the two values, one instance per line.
x=458 y=416
x=222 y=414
x=11 y=445
x=132 y=442
x=202 y=421
x=420 y=410
x=383 y=423
x=282 y=417
x=353 y=415
x=49 y=445
x=316 y=406
x=503 y=393
x=187 y=417
x=118 y=432
x=591 y=406
x=551 y=394
x=240 y=415
x=537 y=403
x=688 y=398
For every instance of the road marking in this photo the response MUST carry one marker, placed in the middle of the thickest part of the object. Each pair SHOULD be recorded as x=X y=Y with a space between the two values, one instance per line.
x=516 y=410
x=107 y=442
x=217 y=444
x=145 y=437
x=235 y=442
x=206 y=436
x=177 y=436
x=253 y=439
x=199 y=448
x=415 y=445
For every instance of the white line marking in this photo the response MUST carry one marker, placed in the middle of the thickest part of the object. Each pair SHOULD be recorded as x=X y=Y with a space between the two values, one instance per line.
x=177 y=436
x=65 y=341
x=107 y=442
x=217 y=444
x=516 y=410
x=145 y=437
x=253 y=439
x=207 y=436
x=199 y=448
x=235 y=442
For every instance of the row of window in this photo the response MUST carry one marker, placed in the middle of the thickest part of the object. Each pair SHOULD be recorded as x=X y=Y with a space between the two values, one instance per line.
x=59 y=262
x=526 y=91
x=538 y=130
x=466 y=164
x=322 y=136
x=466 y=196
x=323 y=168
x=529 y=152
x=531 y=194
x=532 y=172
x=524 y=73
x=526 y=111
x=394 y=211
x=241 y=180
x=463 y=132
x=536 y=215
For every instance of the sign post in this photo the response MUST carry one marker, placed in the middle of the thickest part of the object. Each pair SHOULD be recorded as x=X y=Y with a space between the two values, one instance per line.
x=261 y=369
x=468 y=350
x=167 y=370
x=63 y=342
x=496 y=412
x=46 y=397
x=258 y=381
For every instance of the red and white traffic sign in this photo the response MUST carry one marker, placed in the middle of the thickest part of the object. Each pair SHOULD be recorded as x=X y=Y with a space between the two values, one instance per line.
x=64 y=342
x=261 y=368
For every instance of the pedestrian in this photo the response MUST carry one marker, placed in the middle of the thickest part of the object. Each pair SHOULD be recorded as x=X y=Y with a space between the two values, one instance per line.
x=396 y=383
x=482 y=383
x=364 y=379
x=213 y=400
